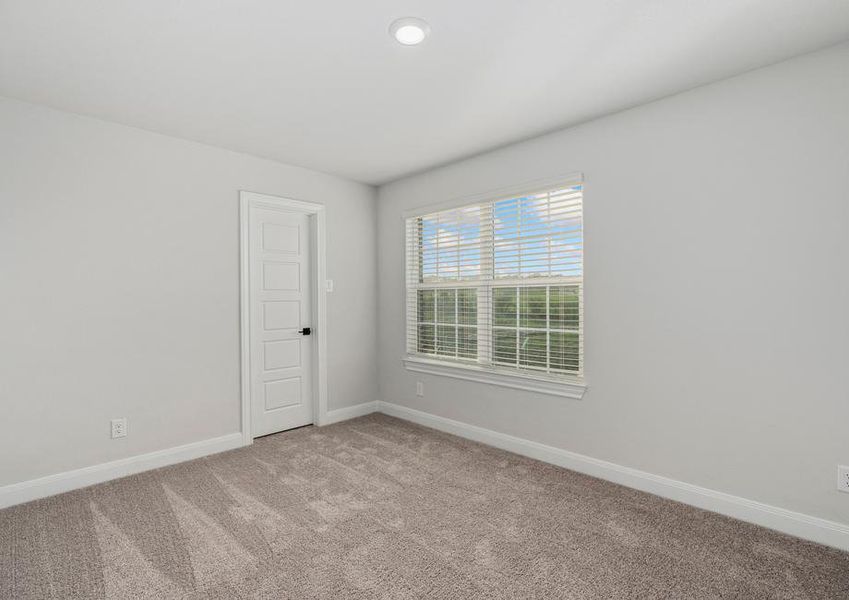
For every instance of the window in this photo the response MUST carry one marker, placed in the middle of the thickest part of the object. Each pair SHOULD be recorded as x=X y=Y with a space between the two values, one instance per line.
x=497 y=286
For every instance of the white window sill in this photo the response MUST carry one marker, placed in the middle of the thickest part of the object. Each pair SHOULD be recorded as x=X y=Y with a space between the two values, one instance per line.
x=556 y=387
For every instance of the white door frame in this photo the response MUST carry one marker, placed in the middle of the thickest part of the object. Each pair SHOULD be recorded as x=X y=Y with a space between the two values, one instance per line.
x=248 y=200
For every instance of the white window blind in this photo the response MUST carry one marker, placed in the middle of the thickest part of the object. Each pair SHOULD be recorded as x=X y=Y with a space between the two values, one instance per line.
x=499 y=284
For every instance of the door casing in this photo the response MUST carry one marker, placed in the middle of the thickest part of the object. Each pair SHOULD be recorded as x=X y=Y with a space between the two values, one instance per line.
x=316 y=212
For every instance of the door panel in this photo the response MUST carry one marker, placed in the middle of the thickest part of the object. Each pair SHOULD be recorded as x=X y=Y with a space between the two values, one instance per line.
x=281 y=357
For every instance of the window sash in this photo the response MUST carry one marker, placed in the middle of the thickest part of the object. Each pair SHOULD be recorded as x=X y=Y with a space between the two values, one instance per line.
x=486 y=329
x=481 y=260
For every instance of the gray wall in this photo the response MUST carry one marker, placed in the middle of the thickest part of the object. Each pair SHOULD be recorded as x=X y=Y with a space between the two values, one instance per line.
x=716 y=287
x=119 y=270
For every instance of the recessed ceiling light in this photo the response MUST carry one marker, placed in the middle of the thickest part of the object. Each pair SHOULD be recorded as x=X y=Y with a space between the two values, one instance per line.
x=409 y=31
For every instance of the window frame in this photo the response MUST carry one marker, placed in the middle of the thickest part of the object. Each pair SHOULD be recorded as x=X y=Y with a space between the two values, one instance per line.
x=571 y=385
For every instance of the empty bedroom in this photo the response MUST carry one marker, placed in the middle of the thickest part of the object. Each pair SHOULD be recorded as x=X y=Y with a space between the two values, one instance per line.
x=424 y=300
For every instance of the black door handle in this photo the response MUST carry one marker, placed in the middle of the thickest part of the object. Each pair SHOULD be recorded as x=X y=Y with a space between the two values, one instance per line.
x=305 y=331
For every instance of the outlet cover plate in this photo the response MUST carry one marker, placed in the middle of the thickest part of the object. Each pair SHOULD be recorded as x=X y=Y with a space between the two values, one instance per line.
x=843 y=478
x=119 y=428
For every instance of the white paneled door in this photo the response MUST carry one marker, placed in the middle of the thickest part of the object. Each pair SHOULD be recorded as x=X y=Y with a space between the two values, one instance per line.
x=280 y=321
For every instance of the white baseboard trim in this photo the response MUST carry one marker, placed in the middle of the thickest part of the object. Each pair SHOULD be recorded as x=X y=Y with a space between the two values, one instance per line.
x=350 y=412
x=42 y=487
x=829 y=533
x=25 y=491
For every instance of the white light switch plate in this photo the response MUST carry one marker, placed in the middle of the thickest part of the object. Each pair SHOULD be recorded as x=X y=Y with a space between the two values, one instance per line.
x=328 y=285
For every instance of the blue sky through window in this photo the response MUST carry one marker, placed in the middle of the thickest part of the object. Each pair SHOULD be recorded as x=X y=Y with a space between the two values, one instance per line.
x=538 y=235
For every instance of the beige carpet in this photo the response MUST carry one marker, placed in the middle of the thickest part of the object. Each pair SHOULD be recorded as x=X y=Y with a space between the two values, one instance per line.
x=380 y=508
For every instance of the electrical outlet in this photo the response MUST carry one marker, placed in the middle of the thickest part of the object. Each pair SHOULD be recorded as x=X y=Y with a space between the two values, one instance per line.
x=419 y=388
x=119 y=428
x=843 y=478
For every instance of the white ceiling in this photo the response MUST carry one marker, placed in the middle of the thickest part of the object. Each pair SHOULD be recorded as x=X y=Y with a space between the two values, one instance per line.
x=320 y=83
